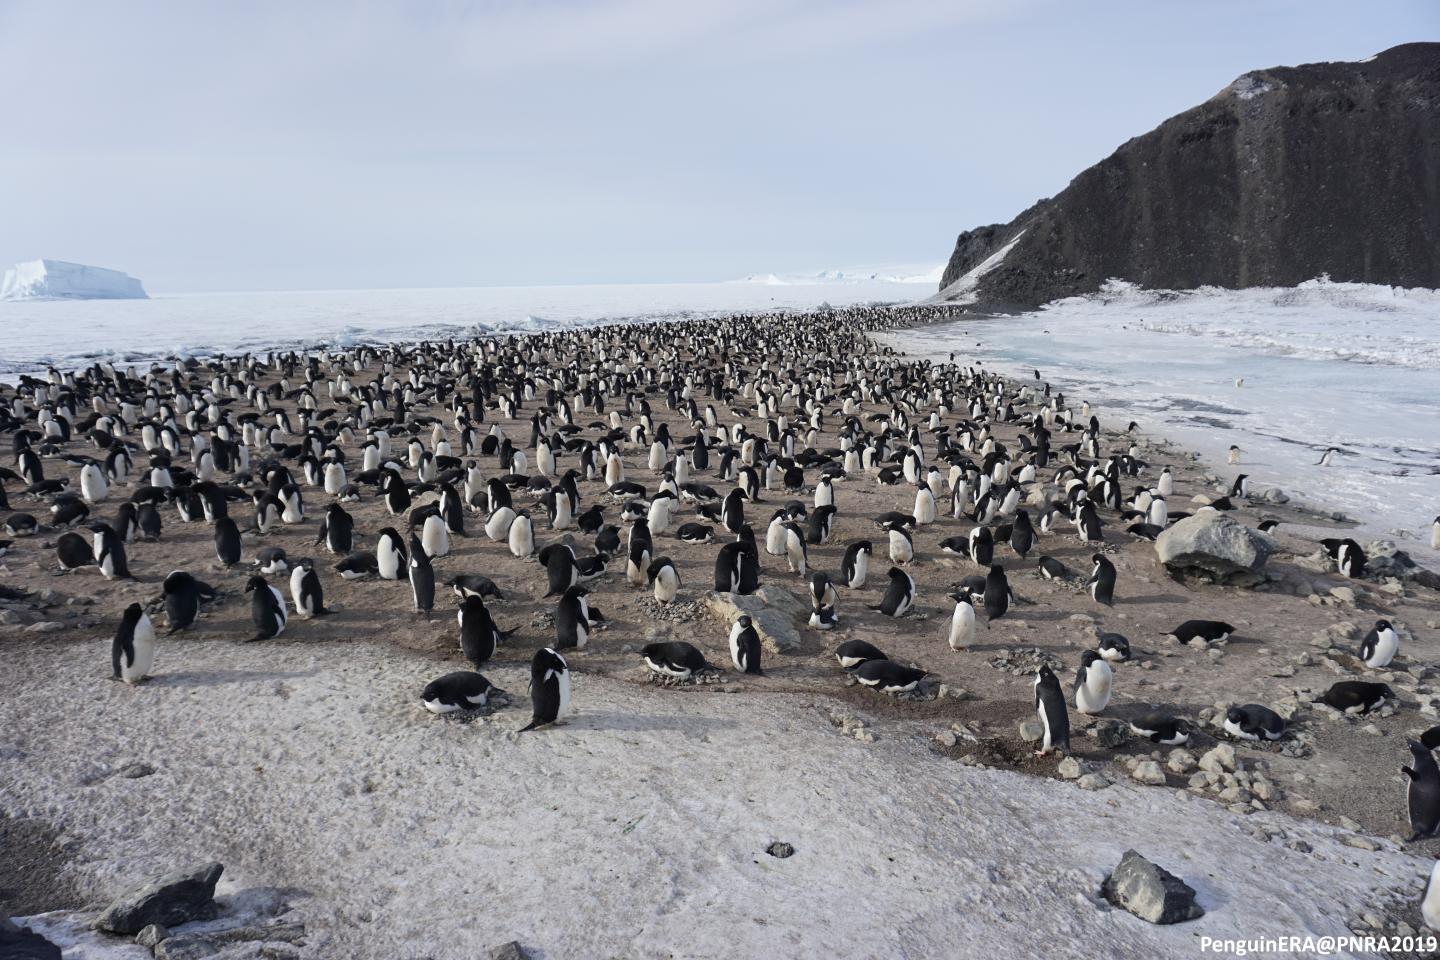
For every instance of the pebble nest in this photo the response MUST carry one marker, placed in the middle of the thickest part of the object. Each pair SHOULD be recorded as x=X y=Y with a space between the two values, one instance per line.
x=497 y=701
x=686 y=611
x=1027 y=661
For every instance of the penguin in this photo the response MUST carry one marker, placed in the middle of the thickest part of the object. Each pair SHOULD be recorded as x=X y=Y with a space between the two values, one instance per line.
x=497 y=525
x=306 y=592
x=997 y=593
x=820 y=525
x=902 y=544
x=899 y=597
x=573 y=619
x=390 y=557
x=924 y=512
x=271 y=560
x=109 y=551
x=1356 y=696
x=1327 y=456
x=183 y=594
x=982 y=546
x=1430 y=905
x=695 y=533
x=457 y=692
x=1422 y=793
x=1254 y=722
x=745 y=646
x=560 y=570
x=435 y=536
x=73 y=551
x=887 y=676
x=664 y=579
x=1102 y=580
x=1054 y=716
x=469 y=584
x=522 y=535
x=1052 y=569
x=227 y=541
x=1114 y=647
x=732 y=512
x=21 y=525
x=1349 y=558
x=422 y=579
x=1211 y=631
x=1022 y=535
x=267 y=608
x=1161 y=729
x=796 y=554
x=549 y=688
x=852 y=653
x=93 y=487
x=337 y=530
x=962 y=623
x=1093 y=683
x=478 y=634
x=676 y=659
x=132 y=652
x=1380 y=645
x=1435 y=545
x=824 y=618
x=855 y=566
x=149 y=520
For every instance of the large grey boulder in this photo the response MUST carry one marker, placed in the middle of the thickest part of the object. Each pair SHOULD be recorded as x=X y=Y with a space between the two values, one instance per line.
x=1217 y=545
x=1150 y=892
x=18 y=943
x=168 y=900
x=773 y=610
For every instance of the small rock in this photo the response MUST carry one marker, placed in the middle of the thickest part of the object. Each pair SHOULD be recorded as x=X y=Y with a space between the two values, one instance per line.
x=1218 y=759
x=1343 y=594
x=1150 y=892
x=1069 y=769
x=172 y=899
x=780 y=850
x=186 y=948
x=152 y=934
x=1359 y=842
x=509 y=951
x=135 y=770
x=1093 y=781
x=1180 y=761
x=1148 y=771
x=1031 y=730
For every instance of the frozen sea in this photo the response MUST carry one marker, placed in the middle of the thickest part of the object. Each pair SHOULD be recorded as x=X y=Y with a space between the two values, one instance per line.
x=1351 y=366
x=74 y=333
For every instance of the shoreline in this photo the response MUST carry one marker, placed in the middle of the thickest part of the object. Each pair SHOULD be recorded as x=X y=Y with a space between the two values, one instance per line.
x=296 y=714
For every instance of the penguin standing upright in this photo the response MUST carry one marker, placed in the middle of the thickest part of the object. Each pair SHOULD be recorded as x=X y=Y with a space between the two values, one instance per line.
x=422 y=579
x=132 y=652
x=522 y=535
x=183 y=594
x=109 y=550
x=899 y=597
x=1102 y=580
x=573 y=619
x=267 y=608
x=1093 y=683
x=997 y=593
x=664 y=579
x=1054 y=716
x=337 y=530
x=389 y=554
x=306 y=592
x=435 y=536
x=1422 y=791
x=549 y=688
x=1380 y=645
x=855 y=566
x=478 y=634
x=227 y=541
x=962 y=623
x=745 y=646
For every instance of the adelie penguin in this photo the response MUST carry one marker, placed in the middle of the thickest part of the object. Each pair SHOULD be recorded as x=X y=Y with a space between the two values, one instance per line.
x=457 y=692
x=549 y=689
x=183 y=594
x=961 y=635
x=390 y=558
x=1162 y=729
x=664 y=579
x=267 y=608
x=855 y=566
x=1348 y=556
x=1102 y=580
x=1356 y=696
x=899 y=597
x=73 y=551
x=306 y=592
x=998 y=597
x=745 y=646
x=1210 y=631
x=852 y=653
x=574 y=620
x=676 y=659
x=1054 y=716
x=887 y=676
x=1114 y=647
x=422 y=579
x=1254 y=722
x=227 y=541
x=132 y=652
x=1422 y=792
x=1380 y=645
x=1093 y=683
x=479 y=636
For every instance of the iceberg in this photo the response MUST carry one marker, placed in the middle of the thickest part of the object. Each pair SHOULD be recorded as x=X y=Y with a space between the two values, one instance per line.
x=59 y=280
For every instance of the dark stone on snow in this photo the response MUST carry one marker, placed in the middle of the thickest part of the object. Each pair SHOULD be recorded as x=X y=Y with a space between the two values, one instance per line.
x=1150 y=892
x=169 y=900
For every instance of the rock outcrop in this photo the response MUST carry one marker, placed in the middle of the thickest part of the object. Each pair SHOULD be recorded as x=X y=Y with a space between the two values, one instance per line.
x=1217 y=545
x=168 y=900
x=1286 y=174
x=1150 y=892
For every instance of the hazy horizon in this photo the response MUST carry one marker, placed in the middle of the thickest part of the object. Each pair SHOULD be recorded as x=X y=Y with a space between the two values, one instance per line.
x=270 y=147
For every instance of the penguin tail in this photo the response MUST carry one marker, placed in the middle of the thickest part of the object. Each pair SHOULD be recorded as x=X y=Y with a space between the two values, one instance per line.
x=529 y=726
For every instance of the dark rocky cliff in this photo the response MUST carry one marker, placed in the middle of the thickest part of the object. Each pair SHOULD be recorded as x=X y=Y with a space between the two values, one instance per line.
x=1285 y=174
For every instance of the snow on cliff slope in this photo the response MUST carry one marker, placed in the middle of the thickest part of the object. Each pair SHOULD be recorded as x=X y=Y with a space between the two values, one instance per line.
x=59 y=280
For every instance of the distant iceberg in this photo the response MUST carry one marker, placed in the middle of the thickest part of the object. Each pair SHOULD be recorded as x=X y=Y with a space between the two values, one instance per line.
x=889 y=273
x=59 y=280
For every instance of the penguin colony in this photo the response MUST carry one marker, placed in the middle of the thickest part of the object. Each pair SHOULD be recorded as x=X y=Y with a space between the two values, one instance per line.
x=595 y=454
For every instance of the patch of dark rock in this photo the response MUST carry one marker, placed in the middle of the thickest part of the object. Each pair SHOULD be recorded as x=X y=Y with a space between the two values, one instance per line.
x=1150 y=892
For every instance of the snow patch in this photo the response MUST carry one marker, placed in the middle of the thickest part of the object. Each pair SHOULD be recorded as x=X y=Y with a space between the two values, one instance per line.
x=963 y=289
x=1248 y=87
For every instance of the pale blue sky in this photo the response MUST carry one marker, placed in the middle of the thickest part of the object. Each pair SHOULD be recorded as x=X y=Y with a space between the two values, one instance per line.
x=244 y=146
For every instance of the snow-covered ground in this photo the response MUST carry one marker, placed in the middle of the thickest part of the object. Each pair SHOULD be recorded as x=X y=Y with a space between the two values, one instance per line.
x=639 y=829
x=34 y=335
x=1324 y=364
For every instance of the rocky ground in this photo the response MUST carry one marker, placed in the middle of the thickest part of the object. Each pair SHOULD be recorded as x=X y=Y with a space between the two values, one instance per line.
x=306 y=764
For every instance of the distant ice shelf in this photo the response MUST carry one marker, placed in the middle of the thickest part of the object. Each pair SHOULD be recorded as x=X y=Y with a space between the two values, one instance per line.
x=59 y=280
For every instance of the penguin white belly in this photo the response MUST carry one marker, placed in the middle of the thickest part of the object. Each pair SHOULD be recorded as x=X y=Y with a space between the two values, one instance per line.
x=387 y=561
x=563 y=688
x=1430 y=906
x=1385 y=649
x=962 y=627
x=1233 y=728
x=497 y=528
x=1093 y=696
x=900 y=549
x=303 y=607
x=775 y=539
x=1045 y=741
x=795 y=554
x=280 y=616
x=667 y=585
x=924 y=508
x=862 y=569
x=522 y=543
